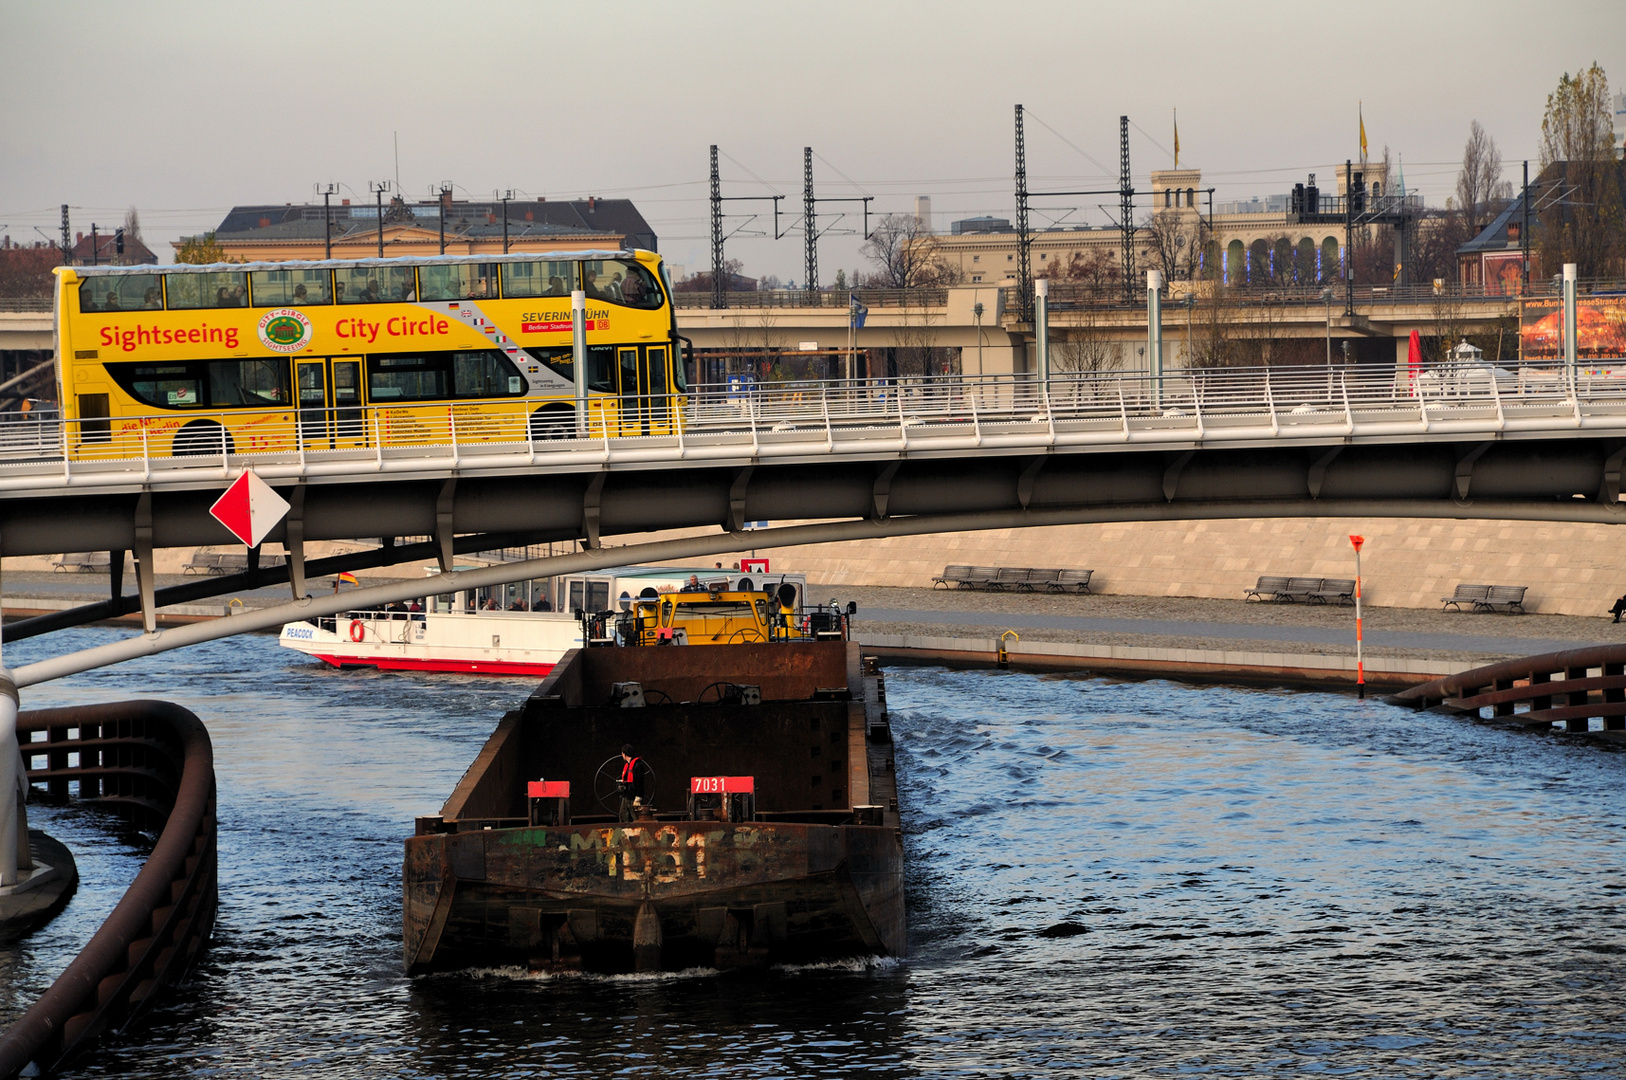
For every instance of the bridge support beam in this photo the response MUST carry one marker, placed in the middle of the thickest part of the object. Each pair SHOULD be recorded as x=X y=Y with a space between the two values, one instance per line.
x=146 y=580
x=789 y=536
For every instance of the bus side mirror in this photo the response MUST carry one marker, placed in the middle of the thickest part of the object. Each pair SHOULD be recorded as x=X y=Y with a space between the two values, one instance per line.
x=852 y=607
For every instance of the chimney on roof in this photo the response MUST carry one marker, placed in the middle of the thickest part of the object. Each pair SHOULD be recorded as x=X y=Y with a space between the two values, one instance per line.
x=265 y=222
x=592 y=204
x=529 y=216
x=78 y=237
x=346 y=202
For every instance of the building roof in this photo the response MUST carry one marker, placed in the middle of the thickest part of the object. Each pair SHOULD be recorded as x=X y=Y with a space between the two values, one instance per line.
x=581 y=218
x=135 y=252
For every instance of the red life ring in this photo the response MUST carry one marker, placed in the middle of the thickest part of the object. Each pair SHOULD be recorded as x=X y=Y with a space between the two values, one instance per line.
x=357 y=630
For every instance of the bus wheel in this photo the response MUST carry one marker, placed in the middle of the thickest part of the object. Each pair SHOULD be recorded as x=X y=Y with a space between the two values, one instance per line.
x=201 y=438
x=553 y=422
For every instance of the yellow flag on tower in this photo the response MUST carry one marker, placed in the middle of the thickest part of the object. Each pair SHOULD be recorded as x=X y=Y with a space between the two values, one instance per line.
x=1177 y=138
x=1362 y=115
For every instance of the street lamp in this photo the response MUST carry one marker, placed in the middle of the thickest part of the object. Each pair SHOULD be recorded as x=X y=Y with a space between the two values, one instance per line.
x=1326 y=298
x=378 y=188
x=976 y=312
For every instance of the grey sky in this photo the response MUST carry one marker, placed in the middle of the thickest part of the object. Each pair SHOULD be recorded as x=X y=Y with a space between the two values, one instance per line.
x=183 y=109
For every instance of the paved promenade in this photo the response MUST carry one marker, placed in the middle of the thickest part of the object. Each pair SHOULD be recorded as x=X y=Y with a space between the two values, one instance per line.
x=1231 y=625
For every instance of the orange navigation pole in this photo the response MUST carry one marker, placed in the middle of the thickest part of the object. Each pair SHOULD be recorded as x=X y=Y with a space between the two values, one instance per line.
x=1360 y=667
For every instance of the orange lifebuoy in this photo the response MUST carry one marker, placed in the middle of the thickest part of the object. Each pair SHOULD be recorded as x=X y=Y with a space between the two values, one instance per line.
x=357 y=630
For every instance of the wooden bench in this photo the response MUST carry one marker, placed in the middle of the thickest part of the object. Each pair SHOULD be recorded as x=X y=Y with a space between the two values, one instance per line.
x=202 y=562
x=1472 y=595
x=1076 y=580
x=1305 y=588
x=981 y=576
x=1269 y=588
x=1011 y=577
x=87 y=562
x=1510 y=597
x=1337 y=590
x=953 y=577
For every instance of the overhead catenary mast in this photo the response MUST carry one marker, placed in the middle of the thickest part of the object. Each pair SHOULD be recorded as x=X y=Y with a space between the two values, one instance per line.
x=1024 y=237
x=809 y=225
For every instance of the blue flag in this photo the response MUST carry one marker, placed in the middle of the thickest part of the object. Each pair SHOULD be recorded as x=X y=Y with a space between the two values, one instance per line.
x=858 y=311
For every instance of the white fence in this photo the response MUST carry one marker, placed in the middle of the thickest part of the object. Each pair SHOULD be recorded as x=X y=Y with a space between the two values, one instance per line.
x=948 y=415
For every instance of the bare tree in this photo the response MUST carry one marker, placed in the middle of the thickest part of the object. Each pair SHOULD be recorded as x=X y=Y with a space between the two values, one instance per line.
x=132 y=224
x=1584 y=222
x=1177 y=240
x=1480 y=177
x=906 y=256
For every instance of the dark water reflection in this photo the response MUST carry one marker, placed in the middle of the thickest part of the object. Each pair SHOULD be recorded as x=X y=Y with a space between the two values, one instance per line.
x=1106 y=879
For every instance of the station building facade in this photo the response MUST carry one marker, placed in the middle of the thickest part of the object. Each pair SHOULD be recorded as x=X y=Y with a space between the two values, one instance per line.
x=1245 y=241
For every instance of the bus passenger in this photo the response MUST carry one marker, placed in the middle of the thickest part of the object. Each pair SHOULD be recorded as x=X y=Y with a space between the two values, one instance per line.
x=556 y=287
x=407 y=291
x=112 y=302
x=632 y=289
x=222 y=298
x=591 y=285
x=151 y=300
x=239 y=296
x=300 y=296
x=338 y=291
x=615 y=288
x=478 y=292
x=369 y=295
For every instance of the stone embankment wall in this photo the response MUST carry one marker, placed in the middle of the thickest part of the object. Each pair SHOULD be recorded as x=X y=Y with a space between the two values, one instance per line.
x=1570 y=569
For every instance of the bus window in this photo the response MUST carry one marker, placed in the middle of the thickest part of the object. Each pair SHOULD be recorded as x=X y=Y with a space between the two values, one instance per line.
x=622 y=282
x=173 y=386
x=538 y=278
x=120 y=292
x=600 y=365
x=458 y=281
x=290 y=288
x=374 y=284
x=406 y=378
x=196 y=384
x=484 y=373
x=226 y=288
x=248 y=382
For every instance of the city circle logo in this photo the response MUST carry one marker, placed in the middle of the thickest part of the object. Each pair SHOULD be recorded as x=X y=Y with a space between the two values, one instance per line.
x=285 y=330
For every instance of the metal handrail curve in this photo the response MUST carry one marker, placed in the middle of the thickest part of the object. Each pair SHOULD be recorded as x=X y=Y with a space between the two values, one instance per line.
x=151 y=939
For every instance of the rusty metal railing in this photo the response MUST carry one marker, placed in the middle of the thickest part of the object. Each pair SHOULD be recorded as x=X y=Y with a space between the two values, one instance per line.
x=1552 y=691
x=152 y=762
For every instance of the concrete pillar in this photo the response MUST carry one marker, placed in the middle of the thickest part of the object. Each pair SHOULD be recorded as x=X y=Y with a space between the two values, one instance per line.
x=12 y=782
x=1154 y=332
x=578 y=356
x=1041 y=331
x=1570 y=322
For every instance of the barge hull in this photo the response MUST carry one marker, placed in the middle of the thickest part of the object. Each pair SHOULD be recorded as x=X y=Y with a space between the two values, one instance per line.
x=698 y=893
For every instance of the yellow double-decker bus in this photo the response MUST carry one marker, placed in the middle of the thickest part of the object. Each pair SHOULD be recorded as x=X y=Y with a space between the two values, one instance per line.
x=312 y=355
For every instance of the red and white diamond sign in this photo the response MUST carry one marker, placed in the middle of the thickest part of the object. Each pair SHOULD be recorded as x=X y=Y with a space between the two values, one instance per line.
x=250 y=509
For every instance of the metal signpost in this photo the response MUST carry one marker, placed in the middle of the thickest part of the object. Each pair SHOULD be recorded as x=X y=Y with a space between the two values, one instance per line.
x=1360 y=666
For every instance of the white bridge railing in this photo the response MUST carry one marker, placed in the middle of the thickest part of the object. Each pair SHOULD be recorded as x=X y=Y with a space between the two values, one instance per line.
x=811 y=420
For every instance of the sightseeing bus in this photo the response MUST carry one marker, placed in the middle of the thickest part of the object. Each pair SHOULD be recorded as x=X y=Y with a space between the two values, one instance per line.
x=345 y=354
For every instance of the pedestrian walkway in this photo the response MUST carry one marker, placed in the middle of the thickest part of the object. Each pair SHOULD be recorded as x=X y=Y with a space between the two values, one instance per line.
x=1229 y=631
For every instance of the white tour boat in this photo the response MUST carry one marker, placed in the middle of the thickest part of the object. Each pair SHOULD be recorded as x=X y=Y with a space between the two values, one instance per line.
x=505 y=630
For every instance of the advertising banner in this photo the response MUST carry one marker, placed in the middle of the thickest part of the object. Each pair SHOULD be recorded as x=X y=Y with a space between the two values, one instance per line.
x=1600 y=333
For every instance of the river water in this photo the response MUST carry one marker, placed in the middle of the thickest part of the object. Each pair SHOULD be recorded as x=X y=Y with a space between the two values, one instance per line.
x=1106 y=879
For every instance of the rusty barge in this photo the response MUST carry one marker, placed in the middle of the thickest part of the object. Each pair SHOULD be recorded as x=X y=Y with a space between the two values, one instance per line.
x=773 y=834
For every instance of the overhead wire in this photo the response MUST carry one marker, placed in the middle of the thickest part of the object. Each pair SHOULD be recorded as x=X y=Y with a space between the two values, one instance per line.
x=1084 y=153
